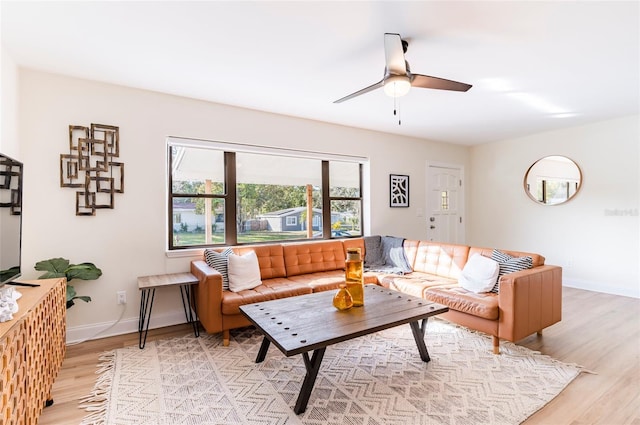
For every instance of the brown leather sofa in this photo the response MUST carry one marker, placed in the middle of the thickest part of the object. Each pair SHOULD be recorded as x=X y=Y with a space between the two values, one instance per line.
x=528 y=300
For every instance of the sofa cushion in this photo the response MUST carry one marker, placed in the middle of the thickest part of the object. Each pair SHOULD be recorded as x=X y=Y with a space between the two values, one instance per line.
x=509 y=264
x=303 y=258
x=480 y=274
x=414 y=284
x=320 y=281
x=220 y=262
x=410 y=251
x=354 y=243
x=271 y=289
x=270 y=259
x=457 y=298
x=446 y=260
x=244 y=272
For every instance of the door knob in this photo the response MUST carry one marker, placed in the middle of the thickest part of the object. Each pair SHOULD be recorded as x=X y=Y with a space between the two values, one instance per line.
x=432 y=227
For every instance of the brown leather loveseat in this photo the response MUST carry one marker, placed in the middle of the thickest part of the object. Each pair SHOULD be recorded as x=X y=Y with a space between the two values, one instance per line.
x=528 y=300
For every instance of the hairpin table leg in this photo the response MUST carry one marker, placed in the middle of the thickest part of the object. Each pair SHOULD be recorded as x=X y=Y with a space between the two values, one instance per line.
x=188 y=298
x=146 y=304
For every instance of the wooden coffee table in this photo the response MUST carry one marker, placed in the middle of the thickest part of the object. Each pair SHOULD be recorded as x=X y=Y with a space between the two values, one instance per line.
x=298 y=325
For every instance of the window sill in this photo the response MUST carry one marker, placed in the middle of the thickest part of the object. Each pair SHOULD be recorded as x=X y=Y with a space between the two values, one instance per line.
x=181 y=253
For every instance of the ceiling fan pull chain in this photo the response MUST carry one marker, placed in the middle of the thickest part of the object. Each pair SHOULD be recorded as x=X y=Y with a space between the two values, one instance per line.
x=396 y=109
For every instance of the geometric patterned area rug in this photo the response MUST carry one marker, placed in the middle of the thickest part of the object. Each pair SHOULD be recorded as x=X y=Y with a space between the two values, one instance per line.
x=377 y=379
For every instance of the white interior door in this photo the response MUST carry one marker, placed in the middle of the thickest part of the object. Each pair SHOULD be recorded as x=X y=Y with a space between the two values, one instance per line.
x=444 y=197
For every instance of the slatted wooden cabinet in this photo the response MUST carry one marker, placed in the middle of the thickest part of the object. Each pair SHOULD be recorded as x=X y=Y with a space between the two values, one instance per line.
x=32 y=347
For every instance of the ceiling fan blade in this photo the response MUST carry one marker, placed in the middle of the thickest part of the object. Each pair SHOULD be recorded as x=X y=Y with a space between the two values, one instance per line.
x=363 y=91
x=394 y=54
x=427 y=82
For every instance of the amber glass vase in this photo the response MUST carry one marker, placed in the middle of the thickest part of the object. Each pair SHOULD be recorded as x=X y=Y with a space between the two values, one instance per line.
x=354 y=276
x=342 y=300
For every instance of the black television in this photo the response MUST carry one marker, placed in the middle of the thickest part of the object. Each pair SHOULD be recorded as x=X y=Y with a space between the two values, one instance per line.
x=11 y=172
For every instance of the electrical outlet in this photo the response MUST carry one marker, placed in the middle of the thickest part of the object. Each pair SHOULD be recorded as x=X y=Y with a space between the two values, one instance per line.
x=122 y=297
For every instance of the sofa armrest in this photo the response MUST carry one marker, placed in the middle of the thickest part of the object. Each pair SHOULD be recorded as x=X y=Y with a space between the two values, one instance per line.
x=529 y=301
x=208 y=294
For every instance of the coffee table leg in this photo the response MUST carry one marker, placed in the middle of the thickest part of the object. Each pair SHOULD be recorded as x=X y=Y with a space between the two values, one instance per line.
x=418 y=335
x=313 y=366
x=264 y=347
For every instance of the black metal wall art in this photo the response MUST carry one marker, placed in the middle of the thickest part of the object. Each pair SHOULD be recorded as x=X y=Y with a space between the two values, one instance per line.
x=90 y=167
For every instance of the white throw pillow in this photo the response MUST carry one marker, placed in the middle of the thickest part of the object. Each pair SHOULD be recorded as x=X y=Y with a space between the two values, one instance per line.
x=244 y=272
x=479 y=274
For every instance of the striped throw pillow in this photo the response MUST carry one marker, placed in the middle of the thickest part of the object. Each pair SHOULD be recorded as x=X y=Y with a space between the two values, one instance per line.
x=220 y=262
x=509 y=264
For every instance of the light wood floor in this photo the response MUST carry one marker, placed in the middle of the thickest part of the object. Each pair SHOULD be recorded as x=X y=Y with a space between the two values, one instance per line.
x=598 y=331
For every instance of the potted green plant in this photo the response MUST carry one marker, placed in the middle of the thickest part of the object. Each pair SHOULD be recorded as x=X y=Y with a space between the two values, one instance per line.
x=60 y=267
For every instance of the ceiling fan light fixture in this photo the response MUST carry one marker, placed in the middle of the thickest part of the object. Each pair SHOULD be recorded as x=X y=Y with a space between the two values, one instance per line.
x=398 y=79
x=397 y=85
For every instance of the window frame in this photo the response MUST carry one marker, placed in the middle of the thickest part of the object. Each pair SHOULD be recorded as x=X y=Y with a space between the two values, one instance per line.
x=327 y=199
x=229 y=193
x=291 y=220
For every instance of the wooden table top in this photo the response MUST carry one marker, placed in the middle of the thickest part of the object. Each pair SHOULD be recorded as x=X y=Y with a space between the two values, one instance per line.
x=307 y=322
x=156 y=281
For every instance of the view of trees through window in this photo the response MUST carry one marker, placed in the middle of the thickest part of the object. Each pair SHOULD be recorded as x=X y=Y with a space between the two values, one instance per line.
x=276 y=197
x=554 y=191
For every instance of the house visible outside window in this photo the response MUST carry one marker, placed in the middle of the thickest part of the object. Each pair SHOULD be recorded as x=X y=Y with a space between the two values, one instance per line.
x=227 y=194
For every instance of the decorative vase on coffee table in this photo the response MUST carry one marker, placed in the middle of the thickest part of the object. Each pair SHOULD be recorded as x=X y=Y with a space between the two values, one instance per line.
x=354 y=276
x=342 y=299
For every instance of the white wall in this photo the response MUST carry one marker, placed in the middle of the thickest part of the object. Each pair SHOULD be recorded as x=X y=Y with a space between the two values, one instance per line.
x=129 y=241
x=8 y=106
x=595 y=236
x=598 y=250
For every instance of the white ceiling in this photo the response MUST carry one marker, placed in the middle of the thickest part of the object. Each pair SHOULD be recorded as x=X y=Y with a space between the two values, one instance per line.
x=534 y=66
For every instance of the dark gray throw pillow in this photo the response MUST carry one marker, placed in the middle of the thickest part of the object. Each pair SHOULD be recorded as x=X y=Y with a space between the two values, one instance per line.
x=373 y=253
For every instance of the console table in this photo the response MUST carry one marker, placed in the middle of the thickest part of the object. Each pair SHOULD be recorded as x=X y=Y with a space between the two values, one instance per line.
x=32 y=347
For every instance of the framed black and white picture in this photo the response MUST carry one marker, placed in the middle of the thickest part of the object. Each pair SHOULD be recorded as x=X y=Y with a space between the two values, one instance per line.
x=398 y=191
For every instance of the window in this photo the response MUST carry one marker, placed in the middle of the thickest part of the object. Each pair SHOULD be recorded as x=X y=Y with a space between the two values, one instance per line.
x=197 y=195
x=444 y=200
x=555 y=191
x=226 y=194
x=292 y=221
x=345 y=195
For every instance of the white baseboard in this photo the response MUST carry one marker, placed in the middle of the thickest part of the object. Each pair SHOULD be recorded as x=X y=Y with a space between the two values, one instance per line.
x=77 y=334
x=599 y=287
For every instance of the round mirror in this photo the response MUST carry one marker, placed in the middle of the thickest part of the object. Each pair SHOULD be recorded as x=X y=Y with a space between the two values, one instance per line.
x=553 y=180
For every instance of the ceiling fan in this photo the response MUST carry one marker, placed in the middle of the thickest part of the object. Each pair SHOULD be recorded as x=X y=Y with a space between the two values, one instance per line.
x=398 y=78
